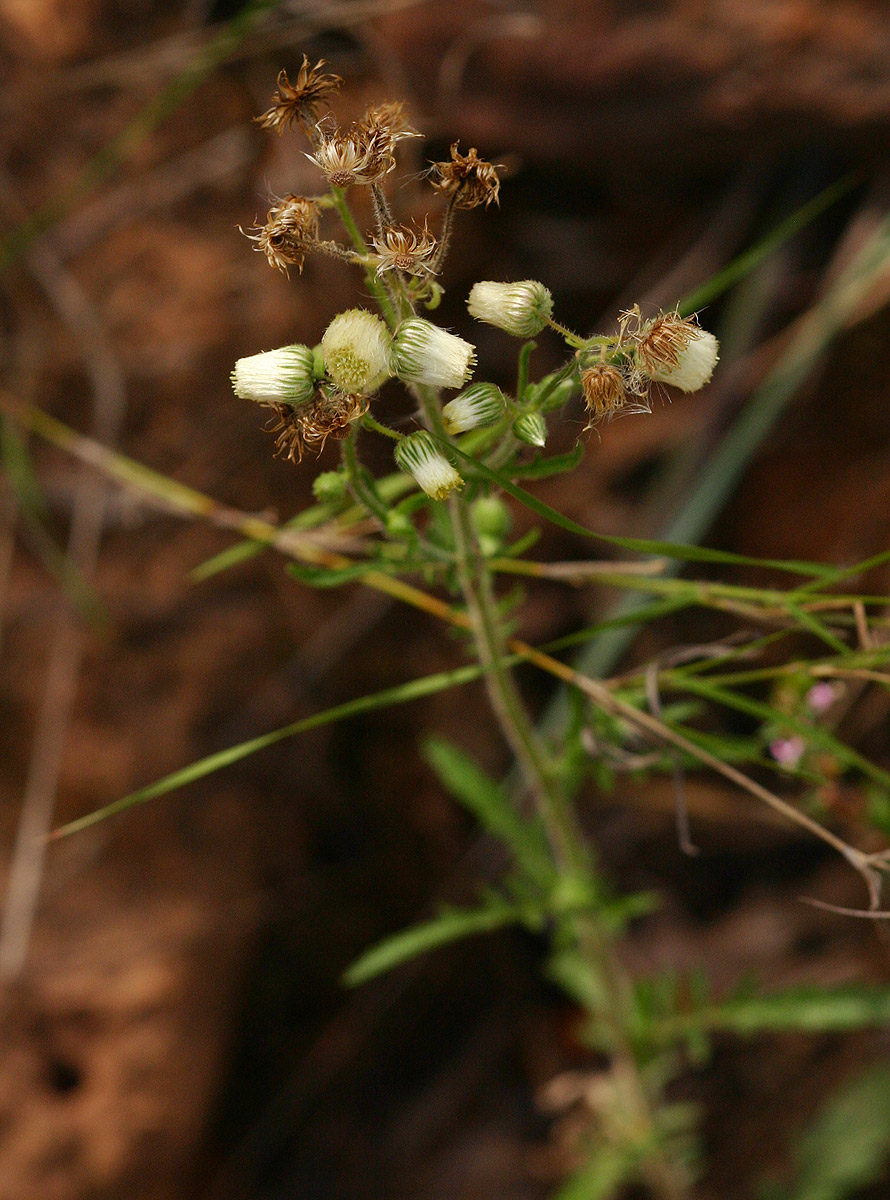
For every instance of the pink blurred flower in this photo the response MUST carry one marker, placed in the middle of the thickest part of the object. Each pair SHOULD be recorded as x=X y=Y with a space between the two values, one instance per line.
x=788 y=751
x=820 y=697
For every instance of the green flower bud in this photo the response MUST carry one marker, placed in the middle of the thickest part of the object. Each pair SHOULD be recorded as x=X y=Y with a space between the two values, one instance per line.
x=519 y=308
x=491 y=517
x=531 y=429
x=424 y=353
x=479 y=404
x=330 y=486
x=398 y=525
x=281 y=376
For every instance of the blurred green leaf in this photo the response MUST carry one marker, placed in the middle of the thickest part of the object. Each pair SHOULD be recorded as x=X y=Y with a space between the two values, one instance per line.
x=847 y=1145
x=602 y=1175
x=490 y=804
x=449 y=926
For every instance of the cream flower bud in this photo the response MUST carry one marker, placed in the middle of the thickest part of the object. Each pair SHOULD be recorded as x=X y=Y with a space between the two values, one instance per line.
x=419 y=455
x=356 y=348
x=531 y=429
x=671 y=350
x=283 y=376
x=424 y=353
x=479 y=404
x=519 y=308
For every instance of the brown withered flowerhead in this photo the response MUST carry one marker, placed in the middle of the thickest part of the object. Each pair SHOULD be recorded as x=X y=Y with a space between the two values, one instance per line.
x=467 y=180
x=299 y=101
x=367 y=152
x=613 y=391
x=290 y=232
x=404 y=249
x=306 y=428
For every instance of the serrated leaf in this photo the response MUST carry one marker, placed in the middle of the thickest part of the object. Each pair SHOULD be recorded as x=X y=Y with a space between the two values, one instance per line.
x=450 y=926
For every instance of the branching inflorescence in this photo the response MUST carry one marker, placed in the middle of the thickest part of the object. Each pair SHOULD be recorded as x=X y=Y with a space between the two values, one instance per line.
x=321 y=392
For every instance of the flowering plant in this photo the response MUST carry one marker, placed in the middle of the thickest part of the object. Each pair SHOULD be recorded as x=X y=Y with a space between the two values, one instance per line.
x=458 y=461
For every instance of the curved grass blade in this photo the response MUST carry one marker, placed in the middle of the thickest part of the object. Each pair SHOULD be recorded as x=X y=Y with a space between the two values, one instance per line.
x=401 y=694
x=675 y=550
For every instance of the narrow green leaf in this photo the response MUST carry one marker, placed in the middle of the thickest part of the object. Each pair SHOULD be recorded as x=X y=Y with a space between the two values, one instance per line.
x=745 y=262
x=490 y=804
x=449 y=926
x=803 y=1009
x=328 y=577
x=811 y=622
x=401 y=694
x=645 y=546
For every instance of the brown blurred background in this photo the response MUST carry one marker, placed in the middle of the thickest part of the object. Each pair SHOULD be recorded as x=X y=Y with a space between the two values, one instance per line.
x=177 y=1027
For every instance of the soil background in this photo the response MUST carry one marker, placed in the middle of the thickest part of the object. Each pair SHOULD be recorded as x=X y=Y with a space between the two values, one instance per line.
x=179 y=1030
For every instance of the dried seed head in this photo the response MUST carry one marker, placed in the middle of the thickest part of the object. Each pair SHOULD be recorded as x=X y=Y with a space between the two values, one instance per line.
x=424 y=353
x=467 y=180
x=328 y=415
x=605 y=392
x=281 y=378
x=521 y=309
x=404 y=249
x=672 y=350
x=299 y=101
x=479 y=404
x=290 y=232
x=356 y=348
x=384 y=125
x=419 y=455
x=345 y=159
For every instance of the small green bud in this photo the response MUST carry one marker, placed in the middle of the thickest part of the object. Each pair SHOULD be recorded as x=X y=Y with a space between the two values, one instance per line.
x=330 y=486
x=491 y=517
x=479 y=404
x=531 y=429
x=398 y=525
x=522 y=308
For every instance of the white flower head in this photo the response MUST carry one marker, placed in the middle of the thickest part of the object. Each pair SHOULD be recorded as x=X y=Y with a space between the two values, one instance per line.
x=479 y=404
x=419 y=455
x=521 y=309
x=283 y=376
x=424 y=353
x=356 y=348
x=671 y=350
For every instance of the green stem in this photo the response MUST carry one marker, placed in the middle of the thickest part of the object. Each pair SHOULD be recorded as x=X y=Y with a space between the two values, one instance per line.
x=579 y=343
x=375 y=287
x=522 y=372
x=370 y=422
x=363 y=492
